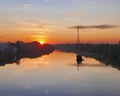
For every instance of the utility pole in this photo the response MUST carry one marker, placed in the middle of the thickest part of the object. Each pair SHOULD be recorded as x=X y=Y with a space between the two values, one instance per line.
x=78 y=38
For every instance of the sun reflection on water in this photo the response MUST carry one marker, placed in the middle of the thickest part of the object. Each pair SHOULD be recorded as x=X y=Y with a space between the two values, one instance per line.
x=53 y=74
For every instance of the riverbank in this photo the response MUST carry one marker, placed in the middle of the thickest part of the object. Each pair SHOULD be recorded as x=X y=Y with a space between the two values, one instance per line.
x=106 y=53
x=13 y=52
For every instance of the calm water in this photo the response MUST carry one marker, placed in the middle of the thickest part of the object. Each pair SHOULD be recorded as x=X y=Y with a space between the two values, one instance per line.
x=58 y=75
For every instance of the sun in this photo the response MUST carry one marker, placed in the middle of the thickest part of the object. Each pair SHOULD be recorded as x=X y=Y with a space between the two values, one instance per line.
x=42 y=42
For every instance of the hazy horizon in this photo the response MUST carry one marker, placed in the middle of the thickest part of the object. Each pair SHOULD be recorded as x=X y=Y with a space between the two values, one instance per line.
x=49 y=21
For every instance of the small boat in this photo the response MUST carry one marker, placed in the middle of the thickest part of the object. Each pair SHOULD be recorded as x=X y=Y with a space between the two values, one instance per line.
x=79 y=59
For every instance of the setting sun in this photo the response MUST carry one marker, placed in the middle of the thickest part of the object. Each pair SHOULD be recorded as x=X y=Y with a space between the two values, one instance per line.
x=42 y=42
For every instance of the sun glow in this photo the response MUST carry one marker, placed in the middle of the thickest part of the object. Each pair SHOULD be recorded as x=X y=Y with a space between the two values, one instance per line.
x=42 y=42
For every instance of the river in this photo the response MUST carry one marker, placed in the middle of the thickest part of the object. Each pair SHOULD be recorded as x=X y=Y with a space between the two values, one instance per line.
x=57 y=74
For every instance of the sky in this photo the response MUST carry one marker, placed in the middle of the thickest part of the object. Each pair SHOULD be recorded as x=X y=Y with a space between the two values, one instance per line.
x=49 y=21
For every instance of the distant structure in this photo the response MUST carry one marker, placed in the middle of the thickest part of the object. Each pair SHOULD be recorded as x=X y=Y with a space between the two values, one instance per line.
x=78 y=27
x=78 y=33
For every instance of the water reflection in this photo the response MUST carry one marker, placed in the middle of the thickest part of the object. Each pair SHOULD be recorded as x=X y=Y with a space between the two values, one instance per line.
x=16 y=59
x=87 y=61
x=53 y=75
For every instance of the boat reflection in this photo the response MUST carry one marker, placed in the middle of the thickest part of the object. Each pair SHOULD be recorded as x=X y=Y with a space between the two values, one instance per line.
x=89 y=62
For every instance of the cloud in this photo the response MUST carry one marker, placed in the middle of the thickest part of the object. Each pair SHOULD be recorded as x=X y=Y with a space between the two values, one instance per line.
x=74 y=14
x=26 y=6
x=41 y=26
x=33 y=24
x=45 y=26
x=106 y=26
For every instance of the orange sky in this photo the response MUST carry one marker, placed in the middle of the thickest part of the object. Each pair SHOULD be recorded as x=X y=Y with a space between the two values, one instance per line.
x=64 y=36
x=41 y=21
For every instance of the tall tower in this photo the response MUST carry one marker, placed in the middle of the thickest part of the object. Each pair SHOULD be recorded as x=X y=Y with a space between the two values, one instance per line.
x=78 y=38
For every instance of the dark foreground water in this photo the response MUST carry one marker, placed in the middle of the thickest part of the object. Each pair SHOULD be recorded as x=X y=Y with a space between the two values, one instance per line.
x=58 y=75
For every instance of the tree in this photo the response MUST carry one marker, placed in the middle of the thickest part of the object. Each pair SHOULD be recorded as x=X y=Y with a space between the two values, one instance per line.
x=118 y=42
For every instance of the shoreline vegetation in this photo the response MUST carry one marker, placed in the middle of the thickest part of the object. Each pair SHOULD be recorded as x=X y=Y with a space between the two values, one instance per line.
x=13 y=52
x=106 y=53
